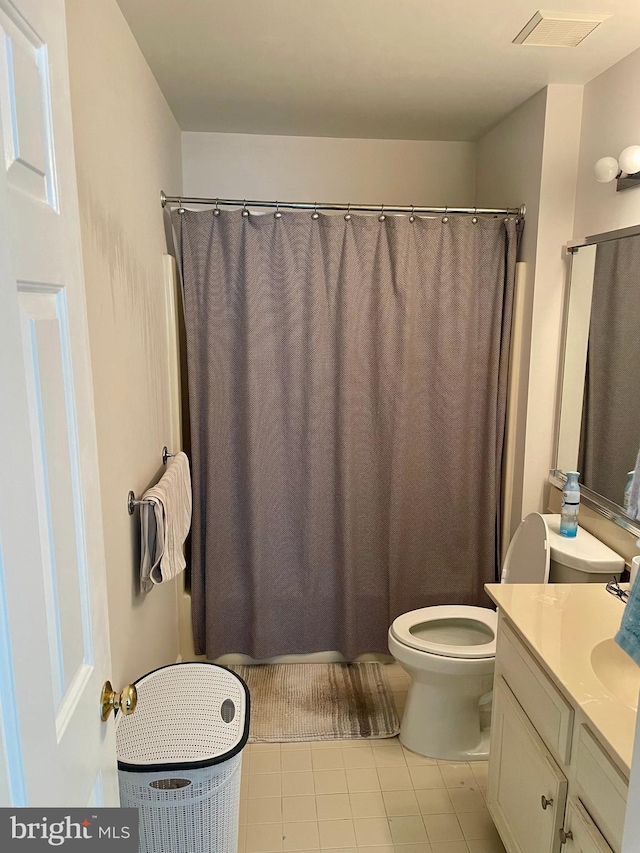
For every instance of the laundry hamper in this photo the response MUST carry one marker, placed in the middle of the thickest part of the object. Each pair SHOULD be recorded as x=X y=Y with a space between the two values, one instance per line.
x=180 y=758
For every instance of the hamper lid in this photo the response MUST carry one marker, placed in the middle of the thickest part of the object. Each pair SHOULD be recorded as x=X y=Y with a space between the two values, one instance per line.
x=189 y=715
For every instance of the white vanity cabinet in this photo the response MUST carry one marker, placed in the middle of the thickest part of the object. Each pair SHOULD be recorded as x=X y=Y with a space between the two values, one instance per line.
x=527 y=791
x=583 y=836
x=552 y=786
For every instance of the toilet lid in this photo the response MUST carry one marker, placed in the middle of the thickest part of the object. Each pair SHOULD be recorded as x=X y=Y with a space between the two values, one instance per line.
x=454 y=631
x=527 y=559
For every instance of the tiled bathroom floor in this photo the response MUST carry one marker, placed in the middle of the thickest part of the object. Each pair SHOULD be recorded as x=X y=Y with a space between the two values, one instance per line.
x=365 y=796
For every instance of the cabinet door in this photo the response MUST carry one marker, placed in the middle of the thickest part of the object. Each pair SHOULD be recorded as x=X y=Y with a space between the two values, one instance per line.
x=527 y=791
x=584 y=836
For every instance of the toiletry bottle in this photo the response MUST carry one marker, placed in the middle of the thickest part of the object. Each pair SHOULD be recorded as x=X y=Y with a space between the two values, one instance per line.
x=627 y=490
x=570 y=506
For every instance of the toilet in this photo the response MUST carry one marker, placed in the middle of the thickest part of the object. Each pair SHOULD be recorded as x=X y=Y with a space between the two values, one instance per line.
x=449 y=651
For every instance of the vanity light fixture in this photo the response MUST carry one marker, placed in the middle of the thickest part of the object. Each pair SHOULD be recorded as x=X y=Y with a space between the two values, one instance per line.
x=626 y=169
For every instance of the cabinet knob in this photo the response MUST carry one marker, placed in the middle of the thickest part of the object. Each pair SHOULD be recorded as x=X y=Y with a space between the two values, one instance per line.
x=545 y=802
x=565 y=836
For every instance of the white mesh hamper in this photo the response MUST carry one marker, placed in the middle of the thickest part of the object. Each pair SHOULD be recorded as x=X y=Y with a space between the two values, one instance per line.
x=180 y=755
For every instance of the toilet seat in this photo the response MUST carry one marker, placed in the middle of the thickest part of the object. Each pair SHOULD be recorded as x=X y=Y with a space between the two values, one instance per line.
x=528 y=558
x=453 y=631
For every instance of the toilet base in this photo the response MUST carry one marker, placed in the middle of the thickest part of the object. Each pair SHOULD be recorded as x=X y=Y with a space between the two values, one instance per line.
x=442 y=716
x=479 y=753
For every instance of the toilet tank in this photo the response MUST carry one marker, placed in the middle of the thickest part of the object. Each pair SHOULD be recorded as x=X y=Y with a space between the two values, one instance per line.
x=583 y=559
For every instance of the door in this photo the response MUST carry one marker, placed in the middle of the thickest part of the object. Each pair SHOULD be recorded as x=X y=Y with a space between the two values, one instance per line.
x=54 y=651
x=527 y=791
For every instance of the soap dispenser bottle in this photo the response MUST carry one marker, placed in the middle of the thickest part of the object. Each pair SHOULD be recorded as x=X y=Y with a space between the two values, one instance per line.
x=570 y=506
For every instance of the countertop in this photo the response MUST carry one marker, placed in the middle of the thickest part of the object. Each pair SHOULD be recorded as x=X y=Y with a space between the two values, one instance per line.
x=562 y=624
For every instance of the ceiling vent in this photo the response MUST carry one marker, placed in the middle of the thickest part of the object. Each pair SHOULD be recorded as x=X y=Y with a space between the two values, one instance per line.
x=558 y=29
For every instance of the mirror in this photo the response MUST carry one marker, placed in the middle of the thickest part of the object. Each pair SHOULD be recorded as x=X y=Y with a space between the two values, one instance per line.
x=599 y=427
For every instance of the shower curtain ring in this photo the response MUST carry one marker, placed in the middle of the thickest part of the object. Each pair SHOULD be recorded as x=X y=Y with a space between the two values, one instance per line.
x=382 y=217
x=412 y=218
x=245 y=212
x=216 y=209
x=475 y=215
x=315 y=214
x=347 y=215
x=277 y=214
x=181 y=209
x=445 y=218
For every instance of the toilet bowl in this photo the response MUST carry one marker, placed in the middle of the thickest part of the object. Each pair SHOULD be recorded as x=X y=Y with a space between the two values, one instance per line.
x=449 y=650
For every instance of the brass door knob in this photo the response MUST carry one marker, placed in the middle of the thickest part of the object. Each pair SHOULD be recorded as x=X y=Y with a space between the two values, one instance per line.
x=545 y=802
x=565 y=836
x=124 y=701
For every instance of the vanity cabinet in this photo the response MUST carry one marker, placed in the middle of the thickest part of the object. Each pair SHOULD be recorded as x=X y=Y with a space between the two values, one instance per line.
x=527 y=791
x=552 y=786
x=583 y=836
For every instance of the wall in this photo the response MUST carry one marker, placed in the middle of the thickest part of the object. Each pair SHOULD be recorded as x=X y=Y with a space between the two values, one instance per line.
x=127 y=147
x=610 y=123
x=299 y=168
x=555 y=225
x=532 y=156
x=509 y=167
x=608 y=126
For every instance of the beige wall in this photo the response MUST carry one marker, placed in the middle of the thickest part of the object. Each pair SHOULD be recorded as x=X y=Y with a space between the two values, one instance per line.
x=127 y=147
x=301 y=168
x=611 y=122
x=532 y=156
x=544 y=154
x=608 y=126
x=509 y=168
x=555 y=225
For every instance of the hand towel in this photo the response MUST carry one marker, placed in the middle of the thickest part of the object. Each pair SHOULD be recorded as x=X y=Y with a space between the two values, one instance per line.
x=628 y=637
x=165 y=522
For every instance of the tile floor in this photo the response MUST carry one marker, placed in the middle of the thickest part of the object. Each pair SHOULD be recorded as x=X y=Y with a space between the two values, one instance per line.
x=362 y=797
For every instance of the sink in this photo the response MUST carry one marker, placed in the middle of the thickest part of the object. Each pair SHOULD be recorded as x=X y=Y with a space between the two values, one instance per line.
x=617 y=672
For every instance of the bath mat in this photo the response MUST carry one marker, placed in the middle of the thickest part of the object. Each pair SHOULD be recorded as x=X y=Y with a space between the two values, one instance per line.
x=319 y=701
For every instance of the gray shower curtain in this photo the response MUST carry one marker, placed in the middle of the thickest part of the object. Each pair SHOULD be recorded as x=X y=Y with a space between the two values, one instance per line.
x=347 y=384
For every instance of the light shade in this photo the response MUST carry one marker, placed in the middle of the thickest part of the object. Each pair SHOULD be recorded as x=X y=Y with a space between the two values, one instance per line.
x=630 y=160
x=606 y=168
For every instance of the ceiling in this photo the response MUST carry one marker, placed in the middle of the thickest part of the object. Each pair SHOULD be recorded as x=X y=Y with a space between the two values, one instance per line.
x=388 y=69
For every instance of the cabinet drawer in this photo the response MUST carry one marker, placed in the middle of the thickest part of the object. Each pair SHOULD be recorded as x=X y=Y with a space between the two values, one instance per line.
x=601 y=787
x=546 y=707
x=585 y=835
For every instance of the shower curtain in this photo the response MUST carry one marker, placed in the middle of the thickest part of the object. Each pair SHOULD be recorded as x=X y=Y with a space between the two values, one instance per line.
x=347 y=383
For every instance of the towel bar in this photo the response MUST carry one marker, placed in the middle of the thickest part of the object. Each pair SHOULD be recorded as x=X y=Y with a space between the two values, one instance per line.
x=131 y=498
x=132 y=502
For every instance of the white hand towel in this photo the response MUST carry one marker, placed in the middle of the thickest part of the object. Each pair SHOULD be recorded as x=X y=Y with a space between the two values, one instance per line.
x=165 y=523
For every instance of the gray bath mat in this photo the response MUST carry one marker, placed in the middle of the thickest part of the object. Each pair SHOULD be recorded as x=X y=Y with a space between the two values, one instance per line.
x=319 y=701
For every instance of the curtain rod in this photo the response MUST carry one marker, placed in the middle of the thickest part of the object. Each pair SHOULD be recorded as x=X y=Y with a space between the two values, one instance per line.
x=368 y=208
